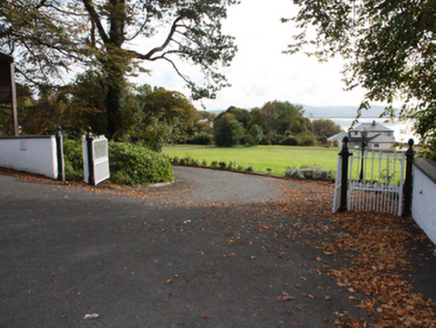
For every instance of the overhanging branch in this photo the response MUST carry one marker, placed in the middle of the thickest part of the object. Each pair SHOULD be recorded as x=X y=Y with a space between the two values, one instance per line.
x=149 y=55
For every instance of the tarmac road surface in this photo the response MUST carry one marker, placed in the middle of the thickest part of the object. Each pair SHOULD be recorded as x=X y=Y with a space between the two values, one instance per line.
x=210 y=250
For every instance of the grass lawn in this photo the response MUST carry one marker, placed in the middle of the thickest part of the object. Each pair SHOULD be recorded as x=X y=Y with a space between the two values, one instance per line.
x=277 y=158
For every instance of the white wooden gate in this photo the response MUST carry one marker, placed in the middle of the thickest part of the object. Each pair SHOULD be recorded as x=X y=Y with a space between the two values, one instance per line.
x=99 y=161
x=376 y=181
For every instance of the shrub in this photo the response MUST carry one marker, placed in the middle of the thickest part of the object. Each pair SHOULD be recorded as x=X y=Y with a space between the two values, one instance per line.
x=227 y=131
x=214 y=164
x=73 y=160
x=313 y=173
x=222 y=164
x=138 y=165
x=307 y=140
x=248 y=140
x=201 y=138
x=129 y=164
x=176 y=160
x=249 y=169
x=204 y=163
x=289 y=141
x=232 y=165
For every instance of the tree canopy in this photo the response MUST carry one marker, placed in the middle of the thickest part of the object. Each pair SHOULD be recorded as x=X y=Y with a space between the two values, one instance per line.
x=50 y=37
x=389 y=47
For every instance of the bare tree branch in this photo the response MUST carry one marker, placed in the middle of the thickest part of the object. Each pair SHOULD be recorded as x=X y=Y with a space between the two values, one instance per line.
x=165 y=44
x=141 y=28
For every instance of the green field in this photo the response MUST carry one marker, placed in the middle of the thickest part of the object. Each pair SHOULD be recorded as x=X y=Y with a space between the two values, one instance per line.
x=276 y=158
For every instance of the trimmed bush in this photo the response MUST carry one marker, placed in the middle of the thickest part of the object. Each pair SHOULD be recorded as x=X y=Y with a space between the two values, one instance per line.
x=201 y=138
x=176 y=160
x=141 y=165
x=129 y=164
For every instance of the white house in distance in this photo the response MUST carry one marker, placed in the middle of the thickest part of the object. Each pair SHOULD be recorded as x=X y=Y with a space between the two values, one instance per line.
x=206 y=121
x=377 y=137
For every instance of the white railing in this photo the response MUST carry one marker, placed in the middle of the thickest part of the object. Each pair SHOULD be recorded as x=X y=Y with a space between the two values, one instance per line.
x=376 y=181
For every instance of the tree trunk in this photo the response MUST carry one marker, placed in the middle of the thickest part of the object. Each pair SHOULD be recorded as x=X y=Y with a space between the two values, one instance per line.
x=115 y=67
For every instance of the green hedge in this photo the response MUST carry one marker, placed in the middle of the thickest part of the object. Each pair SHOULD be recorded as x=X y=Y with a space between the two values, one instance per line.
x=129 y=164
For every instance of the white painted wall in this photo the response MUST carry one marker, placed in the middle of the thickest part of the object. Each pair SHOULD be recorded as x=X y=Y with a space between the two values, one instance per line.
x=30 y=154
x=424 y=203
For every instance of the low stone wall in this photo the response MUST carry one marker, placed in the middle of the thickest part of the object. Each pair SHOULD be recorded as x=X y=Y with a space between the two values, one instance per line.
x=35 y=154
x=424 y=196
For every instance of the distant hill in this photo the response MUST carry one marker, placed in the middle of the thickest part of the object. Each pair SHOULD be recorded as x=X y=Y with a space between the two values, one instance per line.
x=217 y=111
x=332 y=111
x=340 y=111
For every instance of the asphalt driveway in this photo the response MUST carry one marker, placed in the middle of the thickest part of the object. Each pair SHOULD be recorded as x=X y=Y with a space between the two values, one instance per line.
x=213 y=249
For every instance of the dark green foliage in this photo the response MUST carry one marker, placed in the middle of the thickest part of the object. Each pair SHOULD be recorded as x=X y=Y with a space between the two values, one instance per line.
x=129 y=164
x=228 y=131
x=222 y=164
x=257 y=133
x=278 y=117
x=201 y=138
x=134 y=164
x=249 y=169
x=248 y=140
x=306 y=140
x=241 y=115
x=289 y=141
x=73 y=160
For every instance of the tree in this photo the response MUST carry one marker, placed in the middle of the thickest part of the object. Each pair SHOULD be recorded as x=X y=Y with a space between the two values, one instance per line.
x=257 y=133
x=168 y=106
x=227 y=131
x=389 y=47
x=241 y=115
x=25 y=100
x=325 y=128
x=278 y=117
x=49 y=36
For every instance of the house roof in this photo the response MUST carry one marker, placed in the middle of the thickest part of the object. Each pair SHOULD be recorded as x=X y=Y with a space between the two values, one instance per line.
x=372 y=127
x=338 y=137
x=380 y=138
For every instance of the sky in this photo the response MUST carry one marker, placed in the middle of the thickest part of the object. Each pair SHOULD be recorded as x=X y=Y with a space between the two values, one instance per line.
x=260 y=72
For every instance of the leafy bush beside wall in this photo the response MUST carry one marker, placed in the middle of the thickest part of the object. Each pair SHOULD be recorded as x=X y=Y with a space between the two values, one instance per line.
x=73 y=160
x=130 y=164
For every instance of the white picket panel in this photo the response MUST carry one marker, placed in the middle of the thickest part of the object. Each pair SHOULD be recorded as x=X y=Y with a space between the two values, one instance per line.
x=101 y=159
x=381 y=188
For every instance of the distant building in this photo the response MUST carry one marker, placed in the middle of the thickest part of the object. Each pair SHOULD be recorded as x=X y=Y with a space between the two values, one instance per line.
x=378 y=137
x=206 y=121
